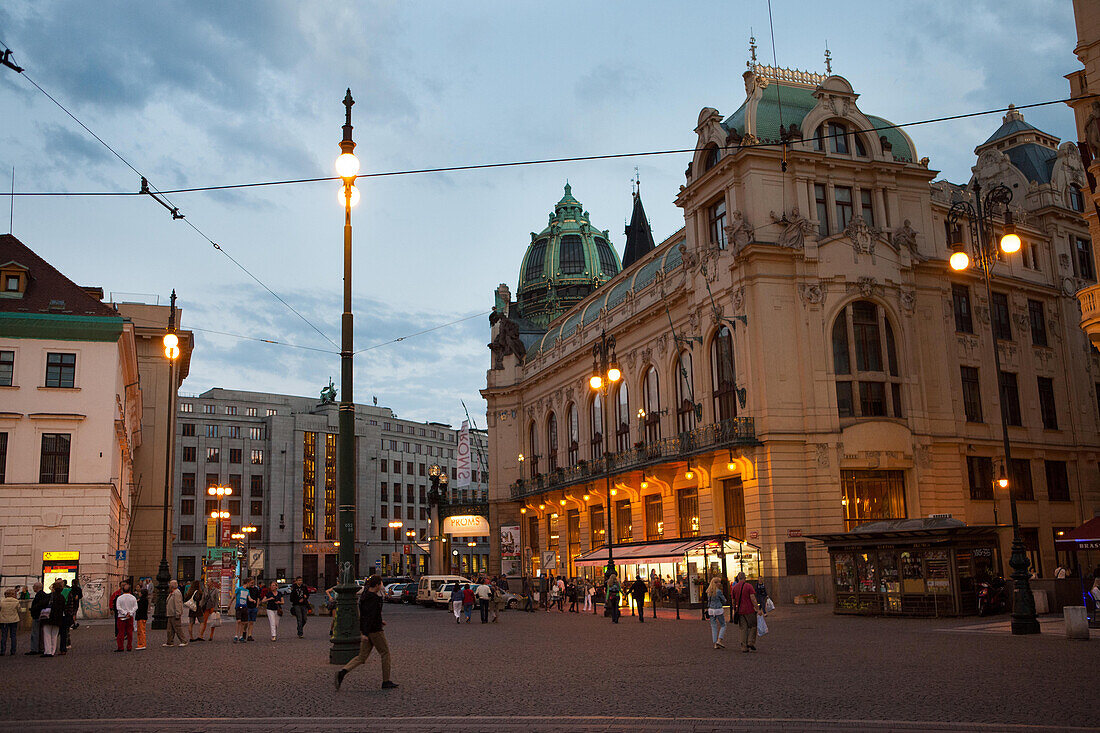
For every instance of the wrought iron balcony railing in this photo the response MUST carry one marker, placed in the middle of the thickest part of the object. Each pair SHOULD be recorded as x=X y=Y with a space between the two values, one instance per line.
x=738 y=431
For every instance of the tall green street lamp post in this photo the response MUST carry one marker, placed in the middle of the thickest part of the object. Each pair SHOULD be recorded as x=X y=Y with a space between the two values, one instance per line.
x=171 y=353
x=437 y=494
x=345 y=636
x=605 y=372
x=980 y=221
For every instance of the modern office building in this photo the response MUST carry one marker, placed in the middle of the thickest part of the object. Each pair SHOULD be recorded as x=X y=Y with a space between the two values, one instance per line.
x=278 y=455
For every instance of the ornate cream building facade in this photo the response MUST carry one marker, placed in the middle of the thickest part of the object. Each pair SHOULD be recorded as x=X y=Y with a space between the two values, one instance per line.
x=799 y=358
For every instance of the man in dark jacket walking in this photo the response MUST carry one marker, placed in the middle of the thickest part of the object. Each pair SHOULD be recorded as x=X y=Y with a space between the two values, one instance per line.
x=40 y=601
x=637 y=589
x=299 y=603
x=370 y=625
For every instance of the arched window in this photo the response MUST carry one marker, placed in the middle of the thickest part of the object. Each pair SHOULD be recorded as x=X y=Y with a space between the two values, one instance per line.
x=685 y=394
x=552 y=442
x=651 y=394
x=596 y=426
x=865 y=362
x=533 y=449
x=711 y=156
x=836 y=135
x=571 y=258
x=535 y=260
x=722 y=375
x=1076 y=198
x=574 y=434
x=622 y=418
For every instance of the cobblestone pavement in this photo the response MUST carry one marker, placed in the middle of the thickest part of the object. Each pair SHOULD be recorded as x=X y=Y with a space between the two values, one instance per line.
x=551 y=672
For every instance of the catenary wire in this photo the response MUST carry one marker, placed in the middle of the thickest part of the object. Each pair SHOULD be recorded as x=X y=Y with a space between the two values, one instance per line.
x=545 y=161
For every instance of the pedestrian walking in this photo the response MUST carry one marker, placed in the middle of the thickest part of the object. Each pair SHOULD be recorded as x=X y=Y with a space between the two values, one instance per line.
x=528 y=604
x=299 y=604
x=571 y=594
x=241 y=598
x=74 y=598
x=467 y=601
x=611 y=599
x=273 y=606
x=484 y=596
x=456 y=602
x=65 y=642
x=253 y=607
x=745 y=609
x=127 y=607
x=9 y=620
x=499 y=601
x=716 y=611
x=174 y=612
x=52 y=617
x=211 y=601
x=141 y=617
x=192 y=598
x=374 y=637
x=589 y=591
x=637 y=590
x=38 y=602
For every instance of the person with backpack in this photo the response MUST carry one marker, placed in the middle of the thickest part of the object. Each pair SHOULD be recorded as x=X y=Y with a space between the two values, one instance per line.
x=611 y=600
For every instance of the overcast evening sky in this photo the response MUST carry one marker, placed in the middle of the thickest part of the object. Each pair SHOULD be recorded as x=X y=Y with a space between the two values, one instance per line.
x=206 y=93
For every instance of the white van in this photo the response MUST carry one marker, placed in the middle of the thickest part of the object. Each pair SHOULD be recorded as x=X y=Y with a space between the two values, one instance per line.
x=430 y=585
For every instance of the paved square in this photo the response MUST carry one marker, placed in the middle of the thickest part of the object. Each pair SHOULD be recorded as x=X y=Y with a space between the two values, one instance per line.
x=540 y=671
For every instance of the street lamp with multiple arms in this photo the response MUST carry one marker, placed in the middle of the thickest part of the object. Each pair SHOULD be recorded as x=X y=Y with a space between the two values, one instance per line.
x=605 y=372
x=980 y=221
x=436 y=495
x=171 y=353
x=345 y=636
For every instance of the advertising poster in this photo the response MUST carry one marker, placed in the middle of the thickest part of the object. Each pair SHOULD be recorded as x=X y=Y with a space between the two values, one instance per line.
x=509 y=541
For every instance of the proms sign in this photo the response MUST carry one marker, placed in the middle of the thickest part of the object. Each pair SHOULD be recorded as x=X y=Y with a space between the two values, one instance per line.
x=466 y=525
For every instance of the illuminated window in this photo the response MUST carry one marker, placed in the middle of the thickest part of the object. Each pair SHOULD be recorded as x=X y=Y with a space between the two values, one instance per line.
x=309 y=485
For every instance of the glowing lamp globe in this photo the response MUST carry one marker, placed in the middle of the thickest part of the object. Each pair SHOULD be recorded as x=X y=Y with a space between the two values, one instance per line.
x=595 y=381
x=354 y=197
x=959 y=260
x=1010 y=242
x=347 y=165
x=614 y=374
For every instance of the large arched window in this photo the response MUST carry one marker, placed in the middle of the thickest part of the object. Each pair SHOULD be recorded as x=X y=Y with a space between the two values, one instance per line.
x=574 y=434
x=651 y=396
x=535 y=260
x=552 y=442
x=711 y=156
x=865 y=362
x=838 y=139
x=533 y=449
x=596 y=426
x=722 y=375
x=622 y=417
x=571 y=260
x=685 y=394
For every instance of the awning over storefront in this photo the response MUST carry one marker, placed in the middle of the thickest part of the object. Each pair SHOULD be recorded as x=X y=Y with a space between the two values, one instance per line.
x=1085 y=537
x=655 y=552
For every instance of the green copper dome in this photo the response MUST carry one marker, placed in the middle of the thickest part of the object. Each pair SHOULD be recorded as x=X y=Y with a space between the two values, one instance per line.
x=564 y=263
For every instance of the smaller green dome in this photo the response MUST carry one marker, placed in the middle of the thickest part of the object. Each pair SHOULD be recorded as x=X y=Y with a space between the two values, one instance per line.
x=564 y=263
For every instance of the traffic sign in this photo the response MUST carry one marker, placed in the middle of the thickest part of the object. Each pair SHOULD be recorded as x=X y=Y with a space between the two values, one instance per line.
x=256 y=559
x=120 y=555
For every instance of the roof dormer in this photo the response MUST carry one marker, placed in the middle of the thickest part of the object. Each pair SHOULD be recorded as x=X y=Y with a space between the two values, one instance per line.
x=13 y=279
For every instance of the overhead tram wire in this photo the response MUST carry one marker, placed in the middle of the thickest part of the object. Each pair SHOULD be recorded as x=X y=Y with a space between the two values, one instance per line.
x=421 y=333
x=149 y=189
x=547 y=161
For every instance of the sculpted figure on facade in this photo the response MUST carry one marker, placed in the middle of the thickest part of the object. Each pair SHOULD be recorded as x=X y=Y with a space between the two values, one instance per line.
x=795 y=229
x=1092 y=129
x=507 y=340
x=905 y=237
x=812 y=293
x=738 y=232
x=862 y=237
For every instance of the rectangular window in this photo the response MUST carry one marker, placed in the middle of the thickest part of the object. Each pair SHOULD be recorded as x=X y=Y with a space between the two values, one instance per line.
x=187 y=534
x=384 y=509
x=796 y=557
x=234 y=455
x=1010 y=398
x=211 y=506
x=573 y=532
x=422 y=473
x=979 y=471
x=234 y=507
x=838 y=138
x=54 y=466
x=309 y=485
x=257 y=457
x=624 y=524
x=1019 y=480
x=972 y=394
x=382 y=465
x=255 y=433
x=189 y=454
x=186 y=407
x=256 y=508
x=235 y=483
x=960 y=299
x=250 y=411
x=1057 y=480
x=409 y=493
x=872 y=399
x=716 y=215
x=212 y=479
x=187 y=429
x=230 y=409
x=1002 y=324
x=330 y=486
x=209 y=409
x=256 y=486
x=423 y=495
x=187 y=484
x=211 y=431
x=7 y=368
x=384 y=491
x=845 y=405
x=1038 y=322
x=187 y=507
x=871 y=496
x=687 y=502
x=270 y=412
x=213 y=455
x=1047 y=407
x=409 y=469
x=234 y=431
x=843 y=196
x=60 y=370
x=1082 y=258
x=866 y=208
x=822 y=210
x=734 y=500
x=410 y=512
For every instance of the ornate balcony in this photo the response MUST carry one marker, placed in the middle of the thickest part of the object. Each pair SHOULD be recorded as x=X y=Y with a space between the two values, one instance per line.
x=1089 y=298
x=738 y=431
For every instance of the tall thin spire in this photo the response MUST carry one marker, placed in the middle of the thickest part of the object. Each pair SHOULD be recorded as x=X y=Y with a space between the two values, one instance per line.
x=752 y=50
x=639 y=237
x=828 y=59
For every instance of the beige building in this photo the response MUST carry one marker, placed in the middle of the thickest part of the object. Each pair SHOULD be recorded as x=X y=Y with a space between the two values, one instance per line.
x=1086 y=109
x=799 y=358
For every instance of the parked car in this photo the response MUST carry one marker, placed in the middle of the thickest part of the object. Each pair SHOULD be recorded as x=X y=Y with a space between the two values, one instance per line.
x=430 y=584
x=408 y=593
x=441 y=598
x=392 y=593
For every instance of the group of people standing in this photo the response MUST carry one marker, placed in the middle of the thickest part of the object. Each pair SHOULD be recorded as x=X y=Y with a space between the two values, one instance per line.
x=52 y=615
x=487 y=593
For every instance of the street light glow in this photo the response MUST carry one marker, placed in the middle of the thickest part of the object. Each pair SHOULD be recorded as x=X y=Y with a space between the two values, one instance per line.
x=354 y=196
x=959 y=259
x=595 y=381
x=347 y=165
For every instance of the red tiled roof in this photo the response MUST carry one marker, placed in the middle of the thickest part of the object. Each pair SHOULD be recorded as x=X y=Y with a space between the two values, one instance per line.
x=48 y=291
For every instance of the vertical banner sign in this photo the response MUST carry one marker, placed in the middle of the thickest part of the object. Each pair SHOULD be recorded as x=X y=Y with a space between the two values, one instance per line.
x=211 y=532
x=510 y=549
x=463 y=474
x=227 y=578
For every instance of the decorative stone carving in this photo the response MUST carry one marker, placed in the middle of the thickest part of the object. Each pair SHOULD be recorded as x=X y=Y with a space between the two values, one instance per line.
x=862 y=236
x=693 y=322
x=924 y=456
x=982 y=310
x=969 y=345
x=738 y=232
x=569 y=393
x=1092 y=129
x=873 y=457
x=737 y=298
x=647 y=355
x=1063 y=260
x=905 y=237
x=688 y=256
x=812 y=293
x=822 y=454
x=795 y=229
x=1022 y=321
x=907 y=300
x=506 y=341
x=865 y=285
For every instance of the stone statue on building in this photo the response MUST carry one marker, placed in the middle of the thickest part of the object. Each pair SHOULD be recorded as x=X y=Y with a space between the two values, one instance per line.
x=328 y=394
x=738 y=232
x=795 y=229
x=507 y=340
x=905 y=237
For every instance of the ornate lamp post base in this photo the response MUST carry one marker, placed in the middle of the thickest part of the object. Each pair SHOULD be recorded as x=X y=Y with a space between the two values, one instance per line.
x=1023 y=602
x=346 y=636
